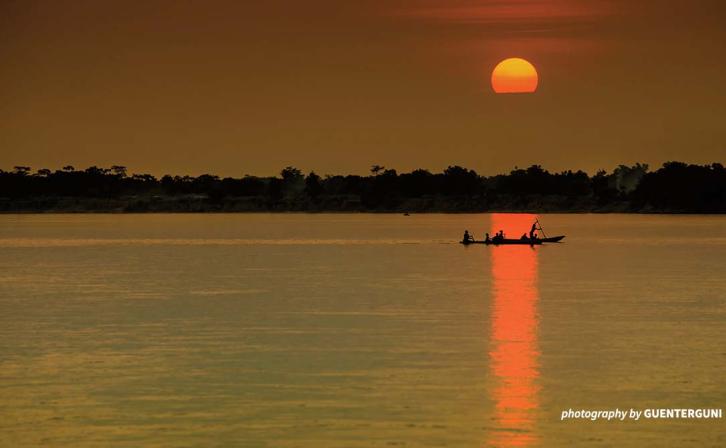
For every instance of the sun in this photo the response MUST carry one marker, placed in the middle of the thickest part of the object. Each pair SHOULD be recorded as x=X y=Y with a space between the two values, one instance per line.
x=515 y=75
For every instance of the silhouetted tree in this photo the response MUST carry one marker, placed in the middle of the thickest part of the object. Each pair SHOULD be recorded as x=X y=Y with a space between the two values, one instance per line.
x=375 y=169
x=293 y=181
x=252 y=186
x=676 y=186
x=119 y=170
x=460 y=181
x=313 y=185
x=627 y=178
x=417 y=183
x=291 y=174
x=683 y=188
x=274 y=189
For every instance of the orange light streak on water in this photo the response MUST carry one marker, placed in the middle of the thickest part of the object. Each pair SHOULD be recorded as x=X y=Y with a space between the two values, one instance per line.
x=514 y=355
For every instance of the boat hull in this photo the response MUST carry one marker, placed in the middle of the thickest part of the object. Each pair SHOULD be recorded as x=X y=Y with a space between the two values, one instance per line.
x=505 y=242
x=554 y=239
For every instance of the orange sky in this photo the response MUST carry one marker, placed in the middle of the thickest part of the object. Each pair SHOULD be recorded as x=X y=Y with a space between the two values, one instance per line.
x=230 y=87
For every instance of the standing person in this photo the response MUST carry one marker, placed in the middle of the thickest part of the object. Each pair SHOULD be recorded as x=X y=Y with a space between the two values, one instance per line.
x=533 y=231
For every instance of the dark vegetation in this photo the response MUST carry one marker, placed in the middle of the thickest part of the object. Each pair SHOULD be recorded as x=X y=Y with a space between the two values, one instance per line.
x=674 y=188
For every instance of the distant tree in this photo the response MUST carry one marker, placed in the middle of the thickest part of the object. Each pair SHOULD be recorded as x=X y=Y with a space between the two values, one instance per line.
x=382 y=190
x=375 y=169
x=313 y=185
x=292 y=181
x=345 y=185
x=677 y=187
x=683 y=188
x=206 y=184
x=627 y=178
x=602 y=189
x=252 y=186
x=291 y=174
x=417 y=183
x=119 y=170
x=274 y=189
x=460 y=181
x=96 y=171
x=148 y=178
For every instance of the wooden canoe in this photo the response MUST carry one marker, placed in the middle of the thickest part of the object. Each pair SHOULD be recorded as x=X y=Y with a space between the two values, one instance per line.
x=527 y=242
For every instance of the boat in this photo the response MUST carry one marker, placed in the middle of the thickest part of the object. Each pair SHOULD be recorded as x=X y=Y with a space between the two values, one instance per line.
x=538 y=241
x=521 y=241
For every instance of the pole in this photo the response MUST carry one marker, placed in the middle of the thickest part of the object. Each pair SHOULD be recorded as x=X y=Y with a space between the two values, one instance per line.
x=540 y=228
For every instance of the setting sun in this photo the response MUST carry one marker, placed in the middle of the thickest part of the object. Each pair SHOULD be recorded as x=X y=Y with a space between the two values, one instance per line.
x=514 y=75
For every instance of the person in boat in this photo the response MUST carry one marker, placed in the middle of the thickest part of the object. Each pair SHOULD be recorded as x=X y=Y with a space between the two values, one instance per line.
x=524 y=236
x=467 y=237
x=486 y=238
x=499 y=236
x=533 y=231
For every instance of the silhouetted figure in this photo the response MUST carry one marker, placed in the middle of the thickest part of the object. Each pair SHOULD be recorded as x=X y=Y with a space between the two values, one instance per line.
x=533 y=231
x=486 y=238
x=467 y=237
x=524 y=236
x=498 y=237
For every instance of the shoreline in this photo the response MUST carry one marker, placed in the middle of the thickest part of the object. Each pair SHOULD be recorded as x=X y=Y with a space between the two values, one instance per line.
x=349 y=212
x=675 y=188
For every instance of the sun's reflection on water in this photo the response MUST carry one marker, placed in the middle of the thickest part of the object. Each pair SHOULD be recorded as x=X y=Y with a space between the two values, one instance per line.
x=515 y=352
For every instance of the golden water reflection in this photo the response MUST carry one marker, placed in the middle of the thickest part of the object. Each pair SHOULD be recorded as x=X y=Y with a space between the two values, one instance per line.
x=514 y=354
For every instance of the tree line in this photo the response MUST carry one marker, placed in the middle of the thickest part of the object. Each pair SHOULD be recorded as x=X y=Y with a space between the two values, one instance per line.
x=674 y=187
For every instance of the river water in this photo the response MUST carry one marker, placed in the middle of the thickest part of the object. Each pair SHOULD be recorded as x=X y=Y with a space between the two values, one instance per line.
x=358 y=330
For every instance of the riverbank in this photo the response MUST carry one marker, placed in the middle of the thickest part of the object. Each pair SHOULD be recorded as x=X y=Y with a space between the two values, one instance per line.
x=674 y=188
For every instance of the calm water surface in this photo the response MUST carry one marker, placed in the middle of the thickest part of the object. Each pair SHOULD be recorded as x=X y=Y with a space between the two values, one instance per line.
x=357 y=330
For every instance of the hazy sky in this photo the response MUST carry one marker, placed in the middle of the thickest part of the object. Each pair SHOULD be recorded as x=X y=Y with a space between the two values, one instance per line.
x=234 y=87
